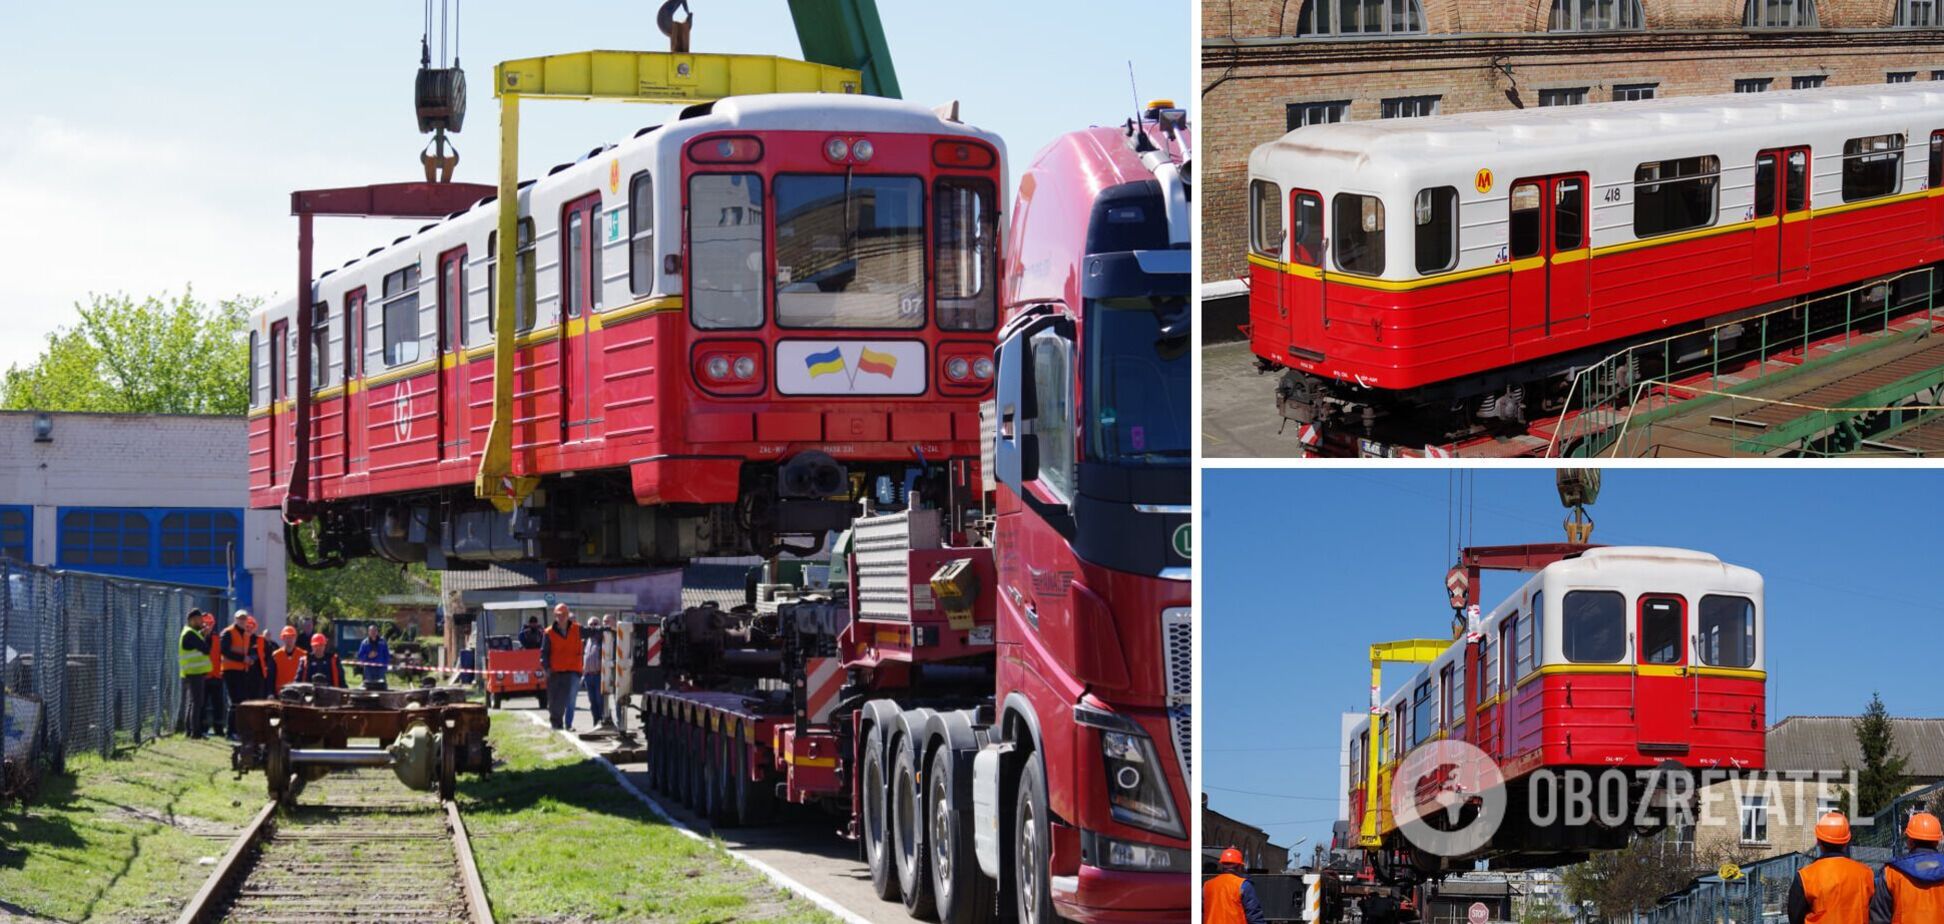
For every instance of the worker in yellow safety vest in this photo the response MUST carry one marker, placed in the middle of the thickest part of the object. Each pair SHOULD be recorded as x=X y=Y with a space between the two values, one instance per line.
x=192 y=664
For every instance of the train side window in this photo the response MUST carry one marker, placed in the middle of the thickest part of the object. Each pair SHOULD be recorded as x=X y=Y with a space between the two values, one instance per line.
x=1675 y=195
x=1359 y=234
x=1308 y=231
x=1457 y=706
x=1795 y=187
x=1450 y=713
x=1764 y=185
x=1509 y=646
x=1569 y=214
x=1421 y=714
x=1265 y=218
x=1663 y=630
x=354 y=305
x=1523 y=233
x=576 y=243
x=1936 y=160
x=1872 y=167
x=1400 y=726
x=522 y=278
x=726 y=267
x=452 y=298
x=1488 y=675
x=1533 y=651
x=1593 y=627
x=1436 y=214
x=964 y=252
x=1727 y=631
x=641 y=233
x=401 y=316
x=256 y=377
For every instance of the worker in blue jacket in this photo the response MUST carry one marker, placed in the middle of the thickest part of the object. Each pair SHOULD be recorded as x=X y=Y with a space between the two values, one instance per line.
x=375 y=657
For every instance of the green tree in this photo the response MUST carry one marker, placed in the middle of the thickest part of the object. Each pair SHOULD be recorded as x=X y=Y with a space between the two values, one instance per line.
x=352 y=591
x=1881 y=778
x=167 y=354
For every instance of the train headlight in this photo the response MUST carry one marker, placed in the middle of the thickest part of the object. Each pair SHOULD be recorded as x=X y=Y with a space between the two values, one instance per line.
x=717 y=368
x=957 y=368
x=982 y=368
x=863 y=150
x=745 y=368
x=836 y=149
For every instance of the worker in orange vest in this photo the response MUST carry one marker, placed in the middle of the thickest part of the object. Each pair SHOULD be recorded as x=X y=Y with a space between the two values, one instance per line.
x=284 y=661
x=262 y=676
x=1834 y=889
x=1910 y=890
x=560 y=660
x=238 y=649
x=322 y=666
x=215 y=703
x=1228 y=898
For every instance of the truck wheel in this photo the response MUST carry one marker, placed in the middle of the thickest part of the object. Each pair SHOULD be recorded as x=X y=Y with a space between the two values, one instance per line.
x=964 y=894
x=754 y=802
x=657 y=754
x=908 y=836
x=715 y=780
x=877 y=853
x=696 y=757
x=1032 y=847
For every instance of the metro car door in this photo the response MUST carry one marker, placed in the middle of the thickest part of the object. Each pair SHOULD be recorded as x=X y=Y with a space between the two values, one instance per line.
x=1306 y=281
x=1548 y=245
x=1269 y=278
x=451 y=379
x=1765 y=255
x=355 y=438
x=1663 y=707
x=1525 y=250
x=579 y=281
x=1797 y=178
x=280 y=417
x=1569 y=269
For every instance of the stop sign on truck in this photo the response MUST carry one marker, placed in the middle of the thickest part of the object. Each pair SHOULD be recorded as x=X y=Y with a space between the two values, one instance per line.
x=1478 y=913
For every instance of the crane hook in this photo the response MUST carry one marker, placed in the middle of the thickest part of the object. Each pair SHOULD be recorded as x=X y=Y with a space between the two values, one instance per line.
x=677 y=32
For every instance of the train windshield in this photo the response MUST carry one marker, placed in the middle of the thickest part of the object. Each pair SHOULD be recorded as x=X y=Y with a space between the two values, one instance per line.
x=850 y=251
x=1137 y=380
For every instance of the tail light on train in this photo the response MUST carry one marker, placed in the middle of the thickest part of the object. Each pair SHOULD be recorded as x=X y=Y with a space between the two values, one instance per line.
x=964 y=369
x=962 y=155
x=733 y=149
x=730 y=367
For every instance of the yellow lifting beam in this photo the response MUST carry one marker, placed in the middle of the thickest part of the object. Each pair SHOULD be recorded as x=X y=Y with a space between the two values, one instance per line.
x=621 y=76
x=1408 y=651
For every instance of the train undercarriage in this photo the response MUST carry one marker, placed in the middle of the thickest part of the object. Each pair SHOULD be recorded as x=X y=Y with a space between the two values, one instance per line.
x=591 y=518
x=1504 y=401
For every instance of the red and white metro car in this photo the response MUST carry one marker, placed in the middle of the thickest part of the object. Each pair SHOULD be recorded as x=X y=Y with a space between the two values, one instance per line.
x=1621 y=658
x=1457 y=268
x=731 y=327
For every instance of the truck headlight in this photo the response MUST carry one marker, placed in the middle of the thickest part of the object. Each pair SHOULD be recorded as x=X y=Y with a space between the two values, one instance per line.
x=1136 y=789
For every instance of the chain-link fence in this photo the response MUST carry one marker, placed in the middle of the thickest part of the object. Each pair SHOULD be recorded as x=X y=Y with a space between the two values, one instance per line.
x=87 y=664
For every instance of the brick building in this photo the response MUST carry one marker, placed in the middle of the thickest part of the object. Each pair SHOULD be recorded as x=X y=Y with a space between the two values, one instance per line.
x=1271 y=66
x=1219 y=832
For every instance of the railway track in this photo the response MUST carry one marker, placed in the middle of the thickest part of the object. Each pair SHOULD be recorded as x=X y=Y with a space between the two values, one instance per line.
x=352 y=847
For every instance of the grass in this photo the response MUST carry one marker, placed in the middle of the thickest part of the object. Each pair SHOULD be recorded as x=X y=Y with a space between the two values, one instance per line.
x=117 y=840
x=558 y=840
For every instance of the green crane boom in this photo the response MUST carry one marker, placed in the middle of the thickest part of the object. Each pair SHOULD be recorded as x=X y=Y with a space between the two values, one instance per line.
x=847 y=34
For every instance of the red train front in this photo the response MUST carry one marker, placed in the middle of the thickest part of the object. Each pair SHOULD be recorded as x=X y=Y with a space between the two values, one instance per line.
x=1645 y=664
x=730 y=328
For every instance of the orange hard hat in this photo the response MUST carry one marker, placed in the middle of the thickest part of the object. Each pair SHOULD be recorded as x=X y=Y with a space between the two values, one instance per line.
x=1833 y=828
x=319 y=641
x=1923 y=827
x=288 y=632
x=1231 y=856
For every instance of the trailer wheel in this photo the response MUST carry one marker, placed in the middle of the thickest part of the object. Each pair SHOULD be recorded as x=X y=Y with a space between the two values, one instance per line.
x=908 y=836
x=657 y=753
x=713 y=782
x=877 y=853
x=753 y=797
x=964 y=893
x=1032 y=837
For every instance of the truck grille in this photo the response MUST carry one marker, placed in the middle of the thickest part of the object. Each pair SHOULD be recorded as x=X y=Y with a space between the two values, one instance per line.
x=1178 y=635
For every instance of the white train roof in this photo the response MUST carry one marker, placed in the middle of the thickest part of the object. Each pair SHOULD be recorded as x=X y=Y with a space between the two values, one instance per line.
x=1597 y=132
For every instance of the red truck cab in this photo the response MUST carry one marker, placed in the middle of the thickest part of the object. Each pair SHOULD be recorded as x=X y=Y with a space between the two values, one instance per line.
x=1092 y=463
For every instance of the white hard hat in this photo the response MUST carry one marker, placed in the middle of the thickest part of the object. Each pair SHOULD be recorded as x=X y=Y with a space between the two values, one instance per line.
x=241 y=613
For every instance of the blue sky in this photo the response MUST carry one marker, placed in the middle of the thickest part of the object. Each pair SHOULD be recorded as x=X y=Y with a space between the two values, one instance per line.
x=150 y=145
x=1302 y=570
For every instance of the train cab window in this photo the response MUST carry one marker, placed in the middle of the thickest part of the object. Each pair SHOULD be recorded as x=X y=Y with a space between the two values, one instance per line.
x=1936 y=160
x=641 y=233
x=522 y=279
x=1663 y=630
x=257 y=398
x=964 y=253
x=1727 y=631
x=850 y=251
x=401 y=316
x=1307 y=232
x=1265 y=218
x=1569 y=214
x=1872 y=167
x=1359 y=234
x=726 y=271
x=1593 y=627
x=320 y=345
x=1523 y=232
x=1436 y=215
x=1764 y=185
x=1675 y=195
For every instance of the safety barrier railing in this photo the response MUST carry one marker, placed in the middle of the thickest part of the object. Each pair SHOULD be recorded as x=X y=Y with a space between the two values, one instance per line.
x=1624 y=393
x=87 y=664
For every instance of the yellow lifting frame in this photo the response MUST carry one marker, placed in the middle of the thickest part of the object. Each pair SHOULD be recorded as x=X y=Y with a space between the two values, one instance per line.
x=620 y=76
x=1408 y=651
